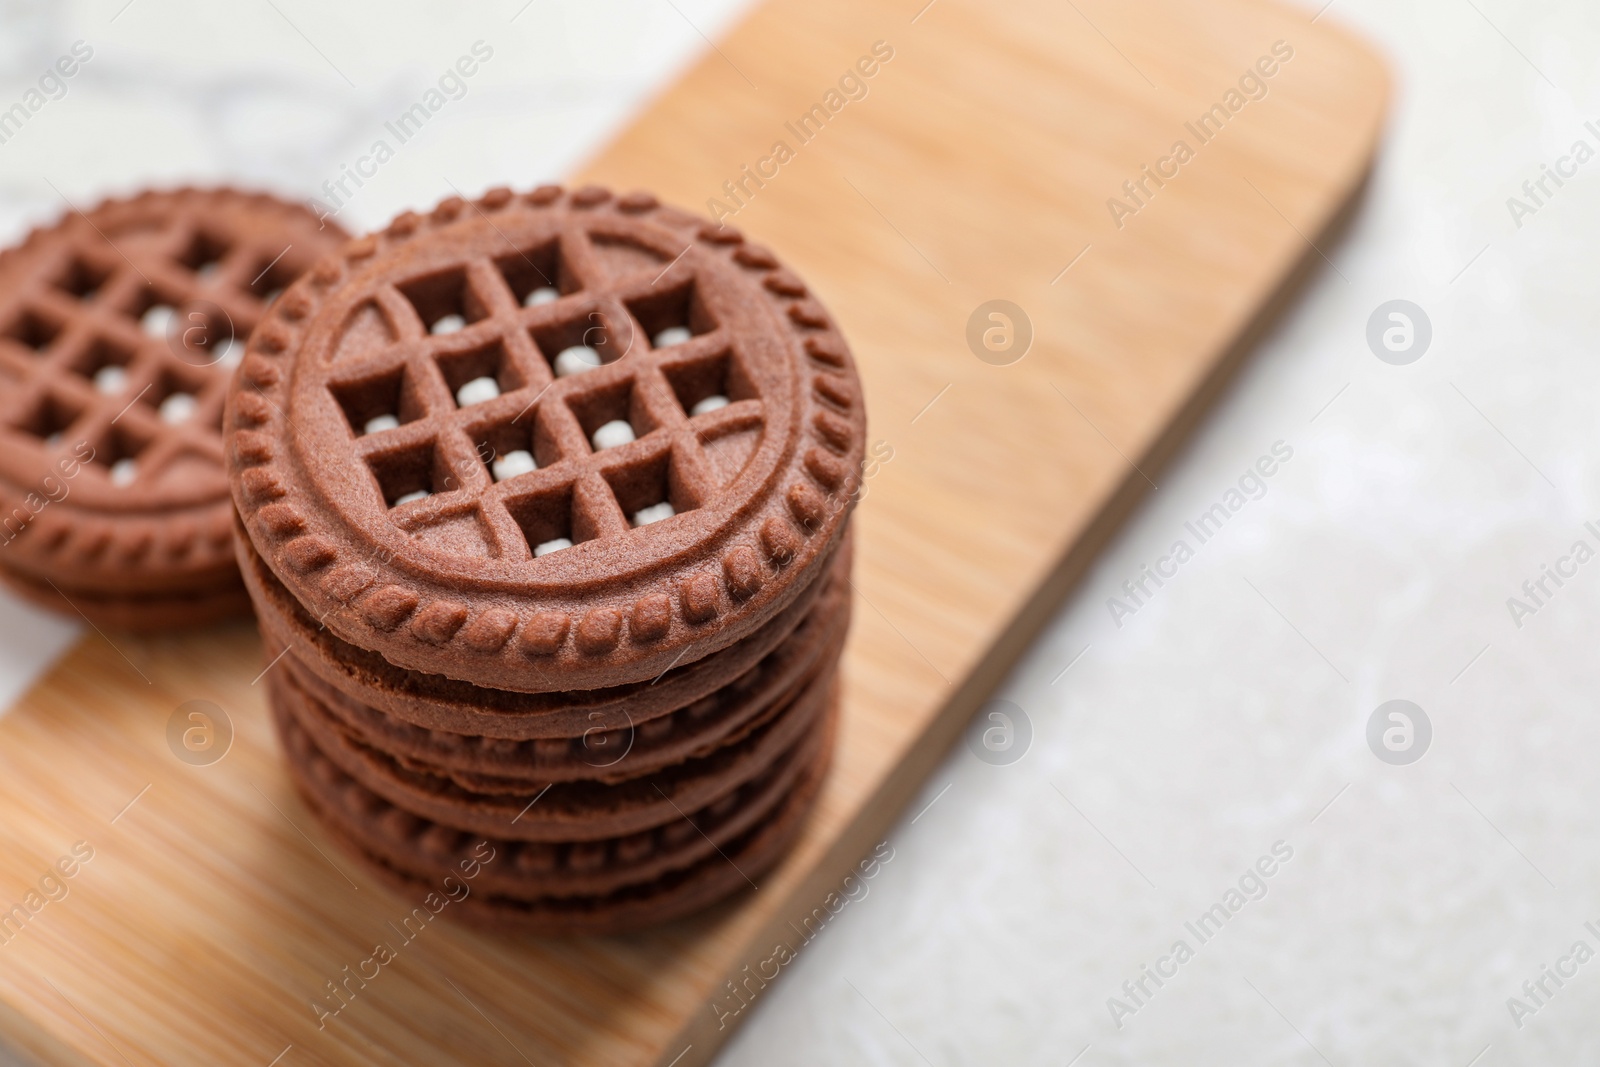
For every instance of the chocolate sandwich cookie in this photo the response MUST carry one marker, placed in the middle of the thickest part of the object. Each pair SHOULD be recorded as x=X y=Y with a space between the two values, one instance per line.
x=531 y=869
x=497 y=765
x=737 y=863
x=119 y=331
x=544 y=442
x=451 y=707
x=602 y=756
x=563 y=811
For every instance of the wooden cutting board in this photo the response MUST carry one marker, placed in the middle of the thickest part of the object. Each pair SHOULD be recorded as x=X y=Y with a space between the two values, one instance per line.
x=978 y=165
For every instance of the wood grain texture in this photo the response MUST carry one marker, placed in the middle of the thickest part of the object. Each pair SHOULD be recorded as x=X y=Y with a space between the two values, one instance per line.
x=978 y=166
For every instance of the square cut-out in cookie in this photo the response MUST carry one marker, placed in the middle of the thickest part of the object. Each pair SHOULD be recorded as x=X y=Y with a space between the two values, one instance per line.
x=599 y=411
x=378 y=402
x=31 y=330
x=118 y=453
x=50 y=417
x=83 y=277
x=479 y=374
x=704 y=383
x=673 y=315
x=204 y=254
x=580 y=342
x=516 y=445
x=405 y=475
x=648 y=489
x=551 y=520
x=444 y=301
x=538 y=274
x=105 y=363
x=156 y=311
x=175 y=395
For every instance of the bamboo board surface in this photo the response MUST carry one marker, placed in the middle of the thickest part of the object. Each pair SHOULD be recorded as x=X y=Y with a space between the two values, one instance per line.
x=977 y=166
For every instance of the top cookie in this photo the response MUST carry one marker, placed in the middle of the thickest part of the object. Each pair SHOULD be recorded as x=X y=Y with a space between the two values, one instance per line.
x=546 y=442
x=119 y=329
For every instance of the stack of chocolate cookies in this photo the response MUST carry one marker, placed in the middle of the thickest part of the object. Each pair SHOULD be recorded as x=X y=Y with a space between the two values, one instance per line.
x=543 y=504
x=119 y=331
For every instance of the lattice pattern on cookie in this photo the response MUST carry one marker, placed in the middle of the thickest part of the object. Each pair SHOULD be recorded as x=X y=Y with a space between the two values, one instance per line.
x=458 y=590
x=566 y=392
x=125 y=338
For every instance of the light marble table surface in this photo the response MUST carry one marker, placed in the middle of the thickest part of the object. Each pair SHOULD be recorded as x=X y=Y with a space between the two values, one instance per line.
x=1222 y=728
